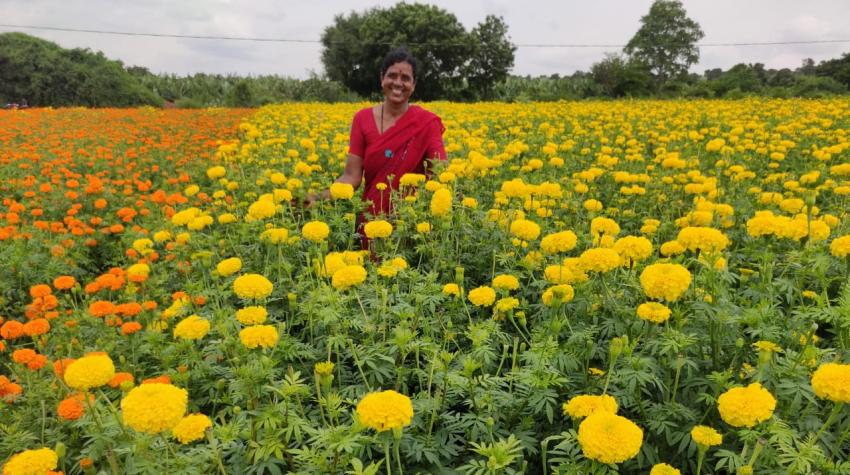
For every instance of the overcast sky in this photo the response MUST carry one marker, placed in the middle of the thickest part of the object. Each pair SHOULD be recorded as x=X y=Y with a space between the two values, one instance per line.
x=529 y=22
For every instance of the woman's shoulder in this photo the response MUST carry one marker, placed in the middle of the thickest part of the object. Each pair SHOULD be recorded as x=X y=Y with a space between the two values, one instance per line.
x=364 y=112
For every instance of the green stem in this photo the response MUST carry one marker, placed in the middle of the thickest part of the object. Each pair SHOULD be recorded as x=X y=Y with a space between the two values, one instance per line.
x=387 y=455
x=832 y=416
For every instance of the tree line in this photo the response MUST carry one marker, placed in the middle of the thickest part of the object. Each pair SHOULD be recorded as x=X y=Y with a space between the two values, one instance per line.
x=456 y=64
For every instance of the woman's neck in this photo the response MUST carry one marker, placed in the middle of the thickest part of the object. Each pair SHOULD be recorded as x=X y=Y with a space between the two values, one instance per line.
x=395 y=110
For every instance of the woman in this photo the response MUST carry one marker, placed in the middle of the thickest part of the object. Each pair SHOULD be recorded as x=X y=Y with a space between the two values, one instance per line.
x=391 y=139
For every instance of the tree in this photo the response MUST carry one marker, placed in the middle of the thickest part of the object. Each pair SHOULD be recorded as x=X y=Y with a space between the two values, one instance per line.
x=666 y=40
x=838 y=69
x=620 y=76
x=492 y=57
x=355 y=45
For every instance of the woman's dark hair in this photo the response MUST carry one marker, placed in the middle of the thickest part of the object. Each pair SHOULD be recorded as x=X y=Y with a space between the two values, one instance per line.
x=399 y=55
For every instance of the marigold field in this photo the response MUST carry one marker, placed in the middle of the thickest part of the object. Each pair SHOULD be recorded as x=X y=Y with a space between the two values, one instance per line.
x=582 y=288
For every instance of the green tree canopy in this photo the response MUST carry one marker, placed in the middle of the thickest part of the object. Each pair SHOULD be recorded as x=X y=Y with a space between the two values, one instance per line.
x=454 y=63
x=43 y=73
x=666 y=40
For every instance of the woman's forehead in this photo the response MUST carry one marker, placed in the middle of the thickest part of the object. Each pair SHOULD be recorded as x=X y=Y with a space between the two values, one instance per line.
x=402 y=67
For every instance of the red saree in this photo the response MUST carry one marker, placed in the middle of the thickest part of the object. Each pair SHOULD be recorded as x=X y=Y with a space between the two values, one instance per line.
x=417 y=136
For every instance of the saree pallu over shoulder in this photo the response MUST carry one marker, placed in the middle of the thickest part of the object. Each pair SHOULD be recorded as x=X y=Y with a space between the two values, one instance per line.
x=399 y=150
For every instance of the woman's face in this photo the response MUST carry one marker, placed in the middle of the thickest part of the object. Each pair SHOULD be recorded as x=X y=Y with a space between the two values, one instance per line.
x=398 y=83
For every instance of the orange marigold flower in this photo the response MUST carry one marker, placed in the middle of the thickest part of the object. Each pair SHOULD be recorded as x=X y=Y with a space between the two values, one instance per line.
x=37 y=327
x=40 y=290
x=130 y=327
x=102 y=308
x=64 y=282
x=9 y=391
x=86 y=463
x=149 y=305
x=23 y=356
x=129 y=309
x=11 y=330
x=119 y=379
x=72 y=408
x=164 y=379
x=92 y=288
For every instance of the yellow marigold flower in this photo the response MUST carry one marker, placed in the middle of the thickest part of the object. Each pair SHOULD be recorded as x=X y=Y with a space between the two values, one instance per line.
x=32 y=462
x=563 y=241
x=378 y=229
x=451 y=289
x=604 y=226
x=138 y=272
x=665 y=281
x=161 y=236
x=482 y=296
x=191 y=428
x=334 y=261
x=584 y=405
x=664 y=469
x=423 y=228
x=556 y=274
x=441 y=202
x=143 y=246
x=832 y=381
x=411 y=179
x=91 y=371
x=558 y=294
x=809 y=294
x=229 y=266
x=399 y=263
x=768 y=346
x=342 y=191
x=469 y=203
x=214 y=173
x=744 y=470
x=154 y=407
x=706 y=436
x=323 y=368
x=633 y=249
x=316 y=231
x=262 y=209
x=653 y=312
x=704 y=239
x=387 y=270
x=348 y=276
x=192 y=327
x=275 y=235
x=592 y=205
x=840 y=247
x=609 y=438
x=226 y=218
x=252 y=286
x=762 y=224
x=505 y=305
x=599 y=259
x=254 y=315
x=385 y=410
x=672 y=248
x=264 y=336
x=746 y=406
x=505 y=282
x=525 y=229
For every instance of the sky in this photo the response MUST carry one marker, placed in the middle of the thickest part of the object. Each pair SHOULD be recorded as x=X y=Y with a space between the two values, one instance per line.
x=529 y=22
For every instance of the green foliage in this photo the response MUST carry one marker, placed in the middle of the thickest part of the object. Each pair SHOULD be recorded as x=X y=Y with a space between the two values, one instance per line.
x=454 y=64
x=45 y=74
x=666 y=40
x=620 y=76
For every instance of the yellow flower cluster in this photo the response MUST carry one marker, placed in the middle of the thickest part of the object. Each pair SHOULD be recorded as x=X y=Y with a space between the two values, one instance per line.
x=90 y=371
x=252 y=286
x=633 y=249
x=253 y=315
x=258 y=336
x=441 y=203
x=525 y=229
x=706 y=436
x=341 y=191
x=608 y=438
x=840 y=247
x=348 y=277
x=653 y=312
x=316 y=231
x=378 y=229
x=600 y=259
x=191 y=428
x=558 y=294
x=664 y=469
x=154 y=407
x=746 y=406
x=385 y=410
x=832 y=381
x=604 y=226
x=556 y=243
x=483 y=296
x=262 y=209
x=584 y=405
x=192 y=327
x=229 y=266
x=505 y=282
x=665 y=281
x=32 y=462
x=706 y=240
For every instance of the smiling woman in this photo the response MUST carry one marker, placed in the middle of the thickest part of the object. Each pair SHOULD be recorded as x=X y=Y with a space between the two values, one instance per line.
x=391 y=139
